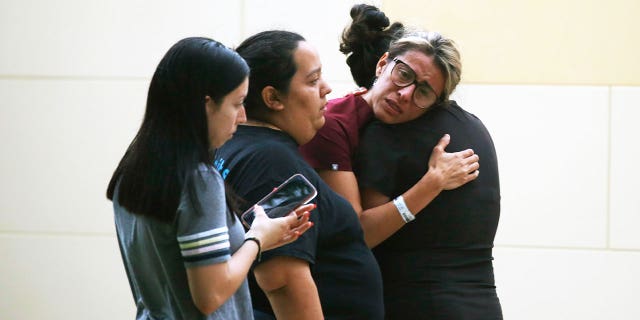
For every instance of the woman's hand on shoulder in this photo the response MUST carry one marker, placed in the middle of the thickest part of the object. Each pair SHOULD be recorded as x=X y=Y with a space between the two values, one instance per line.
x=454 y=169
x=277 y=232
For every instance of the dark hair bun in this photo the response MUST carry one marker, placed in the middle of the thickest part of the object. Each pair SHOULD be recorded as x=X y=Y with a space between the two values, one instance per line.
x=365 y=40
x=370 y=15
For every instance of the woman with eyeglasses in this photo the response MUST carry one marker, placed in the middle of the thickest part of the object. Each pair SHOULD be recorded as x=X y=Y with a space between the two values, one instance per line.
x=433 y=241
x=396 y=95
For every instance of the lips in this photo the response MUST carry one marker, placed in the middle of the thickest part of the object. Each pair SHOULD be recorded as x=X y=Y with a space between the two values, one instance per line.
x=392 y=106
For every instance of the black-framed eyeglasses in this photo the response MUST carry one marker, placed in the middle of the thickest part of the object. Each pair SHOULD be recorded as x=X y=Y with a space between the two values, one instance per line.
x=403 y=76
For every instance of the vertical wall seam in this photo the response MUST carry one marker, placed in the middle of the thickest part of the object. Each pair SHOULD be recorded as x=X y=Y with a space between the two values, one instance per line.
x=609 y=158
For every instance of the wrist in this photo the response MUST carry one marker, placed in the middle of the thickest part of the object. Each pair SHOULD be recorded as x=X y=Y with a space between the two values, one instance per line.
x=403 y=210
x=255 y=240
x=433 y=179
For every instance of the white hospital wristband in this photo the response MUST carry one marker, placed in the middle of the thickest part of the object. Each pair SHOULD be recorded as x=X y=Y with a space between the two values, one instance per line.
x=406 y=215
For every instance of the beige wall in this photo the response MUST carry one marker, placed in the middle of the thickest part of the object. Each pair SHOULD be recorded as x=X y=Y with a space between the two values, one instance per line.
x=584 y=42
x=73 y=81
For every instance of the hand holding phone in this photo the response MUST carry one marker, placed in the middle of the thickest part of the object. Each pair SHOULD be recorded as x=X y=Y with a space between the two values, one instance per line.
x=292 y=193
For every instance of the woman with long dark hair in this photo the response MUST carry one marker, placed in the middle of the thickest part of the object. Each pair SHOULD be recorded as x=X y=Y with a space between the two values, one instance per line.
x=185 y=252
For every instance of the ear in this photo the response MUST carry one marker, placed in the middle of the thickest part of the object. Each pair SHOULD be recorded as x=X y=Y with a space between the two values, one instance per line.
x=382 y=62
x=271 y=98
x=209 y=104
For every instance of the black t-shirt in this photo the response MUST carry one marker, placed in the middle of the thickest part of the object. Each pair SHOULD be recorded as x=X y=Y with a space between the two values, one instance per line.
x=450 y=242
x=345 y=271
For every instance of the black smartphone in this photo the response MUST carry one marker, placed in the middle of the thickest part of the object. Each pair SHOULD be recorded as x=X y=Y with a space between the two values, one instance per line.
x=292 y=193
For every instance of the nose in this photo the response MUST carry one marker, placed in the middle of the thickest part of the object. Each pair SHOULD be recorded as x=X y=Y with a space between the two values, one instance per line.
x=407 y=92
x=242 y=116
x=325 y=89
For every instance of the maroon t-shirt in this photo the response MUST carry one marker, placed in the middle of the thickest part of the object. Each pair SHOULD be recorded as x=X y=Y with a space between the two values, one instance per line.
x=334 y=145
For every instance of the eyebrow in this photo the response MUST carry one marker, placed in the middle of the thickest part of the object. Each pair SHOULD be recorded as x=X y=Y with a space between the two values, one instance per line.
x=425 y=84
x=314 y=71
x=422 y=83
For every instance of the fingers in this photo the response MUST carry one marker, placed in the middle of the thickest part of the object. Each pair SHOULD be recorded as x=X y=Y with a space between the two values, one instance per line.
x=473 y=175
x=302 y=228
x=474 y=166
x=304 y=208
x=295 y=233
x=467 y=157
x=298 y=217
x=465 y=153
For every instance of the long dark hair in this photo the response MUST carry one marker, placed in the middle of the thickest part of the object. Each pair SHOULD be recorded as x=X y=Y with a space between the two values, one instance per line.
x=173 y=138
x=365 y=40
x=270 y=56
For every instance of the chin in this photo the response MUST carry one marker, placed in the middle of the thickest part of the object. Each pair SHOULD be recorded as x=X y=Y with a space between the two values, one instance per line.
x=320 y=123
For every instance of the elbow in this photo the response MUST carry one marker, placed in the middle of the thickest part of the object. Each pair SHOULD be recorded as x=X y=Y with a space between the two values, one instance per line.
x=208 y=306
x=368 y=230
x=269 y=285
x=370 y=242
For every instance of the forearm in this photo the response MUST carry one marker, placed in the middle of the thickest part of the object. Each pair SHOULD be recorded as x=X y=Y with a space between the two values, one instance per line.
x=212 y=285
x=381 y=219
x=240 y=263
x=345 y=184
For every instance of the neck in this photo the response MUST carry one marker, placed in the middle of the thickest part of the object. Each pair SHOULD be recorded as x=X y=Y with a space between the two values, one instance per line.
x=258 y=123
x=367 y=97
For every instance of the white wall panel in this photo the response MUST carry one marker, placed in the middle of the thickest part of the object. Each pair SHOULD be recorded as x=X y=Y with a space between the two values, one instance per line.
x=63 y=277
x=61 y=141
x=553 y=155
x=625 y=176
x=320 y=22
x=104 y=38
x=556 y=284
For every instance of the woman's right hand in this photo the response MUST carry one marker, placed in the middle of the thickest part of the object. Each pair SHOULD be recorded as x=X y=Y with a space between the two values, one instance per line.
x=277 y=232
x=455 y=169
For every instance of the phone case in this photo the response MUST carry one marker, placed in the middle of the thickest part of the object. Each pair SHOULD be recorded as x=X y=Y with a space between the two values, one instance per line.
x=292 y=193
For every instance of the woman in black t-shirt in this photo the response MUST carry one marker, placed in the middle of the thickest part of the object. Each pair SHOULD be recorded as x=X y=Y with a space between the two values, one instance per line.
x=435 y=247
x=443 y=259
x=329 y=272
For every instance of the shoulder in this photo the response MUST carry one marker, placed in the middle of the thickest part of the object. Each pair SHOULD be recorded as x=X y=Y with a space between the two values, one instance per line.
x=455 y=110
x=203 y=180
x=347 y=105
x=256 y=148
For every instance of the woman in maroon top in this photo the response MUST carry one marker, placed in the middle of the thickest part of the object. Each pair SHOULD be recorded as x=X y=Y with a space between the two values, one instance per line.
x=440 y=265
x=331 y=151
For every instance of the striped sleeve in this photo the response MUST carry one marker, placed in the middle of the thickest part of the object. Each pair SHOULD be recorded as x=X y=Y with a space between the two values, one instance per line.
x=204 y=246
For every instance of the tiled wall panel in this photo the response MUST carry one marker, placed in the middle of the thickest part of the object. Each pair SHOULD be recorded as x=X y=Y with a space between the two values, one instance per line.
x=61 y=141
x=552 y=148
x=104 y=38
x=625 y=176
x=556 y=284
x=320 y=22
x=63 y=277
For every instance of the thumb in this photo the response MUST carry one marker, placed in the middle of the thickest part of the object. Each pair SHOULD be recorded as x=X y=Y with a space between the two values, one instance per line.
x=259 y=210
x=442 y=144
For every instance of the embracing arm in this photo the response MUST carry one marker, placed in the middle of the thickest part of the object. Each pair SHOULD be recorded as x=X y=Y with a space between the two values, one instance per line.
x=345 y=184
x=288 y=284
x=380 y=218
